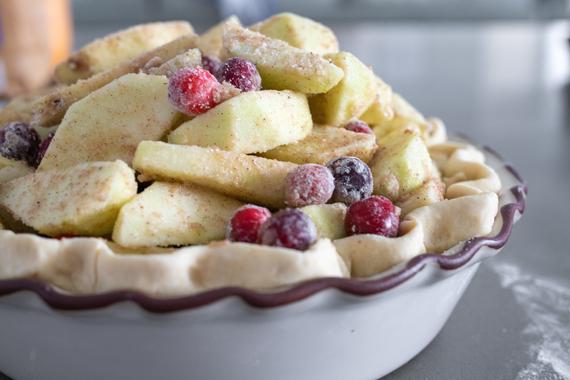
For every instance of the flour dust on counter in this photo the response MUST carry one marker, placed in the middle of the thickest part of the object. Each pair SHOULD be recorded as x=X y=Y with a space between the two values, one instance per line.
x=546 y=303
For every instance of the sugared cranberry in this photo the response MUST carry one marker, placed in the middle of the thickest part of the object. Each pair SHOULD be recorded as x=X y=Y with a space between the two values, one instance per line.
x=19 y=142
x=212 y=64
x=43 y=149
x=352 y=179
x=244 y=225
x=289 y=228
x=308 y=184
x=193 y=90
x=375 y=215
x=358 y=126
x=240 y=73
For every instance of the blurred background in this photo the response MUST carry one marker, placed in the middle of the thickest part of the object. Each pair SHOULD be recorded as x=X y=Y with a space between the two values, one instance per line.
x=204 y=12
x=498 y=71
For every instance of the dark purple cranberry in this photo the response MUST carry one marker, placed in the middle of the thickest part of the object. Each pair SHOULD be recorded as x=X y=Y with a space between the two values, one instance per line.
x=288 y=228
x=246 y=222
x=308 y=184
x=212 y=64
x=375 y=215
x=358 y=126
x=241 y=74
x=352 y=179
x=19 y=142
x=43 y=149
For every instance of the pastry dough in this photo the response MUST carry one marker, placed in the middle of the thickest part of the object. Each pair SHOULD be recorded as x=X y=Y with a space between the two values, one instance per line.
x=88 y=265
x=469 y=210
x=92 y=265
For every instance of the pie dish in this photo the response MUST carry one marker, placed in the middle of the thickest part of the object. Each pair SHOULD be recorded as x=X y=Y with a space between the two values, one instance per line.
x=339 y=224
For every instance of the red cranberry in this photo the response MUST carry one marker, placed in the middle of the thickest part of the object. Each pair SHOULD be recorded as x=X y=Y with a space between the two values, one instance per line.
x=308 y=184
x=193 y=90
x=19 y=142
x=240 y=73
x=358 y=126
x=244 y=225
x=212 y=64
x=375 y=215
x=43 y=149
x=352 y=179
x=289 y=228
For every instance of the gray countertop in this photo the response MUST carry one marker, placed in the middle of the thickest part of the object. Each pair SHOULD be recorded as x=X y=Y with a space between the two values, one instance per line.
x=505 y=85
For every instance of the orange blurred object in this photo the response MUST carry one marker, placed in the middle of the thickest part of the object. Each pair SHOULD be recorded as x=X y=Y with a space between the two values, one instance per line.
x=37 y=35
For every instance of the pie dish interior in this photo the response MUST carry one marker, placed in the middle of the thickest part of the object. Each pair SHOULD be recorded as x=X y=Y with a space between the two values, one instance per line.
x=243 y=146
x=95 y=265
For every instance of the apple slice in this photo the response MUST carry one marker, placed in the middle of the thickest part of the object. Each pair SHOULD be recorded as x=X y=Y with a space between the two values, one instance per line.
x=12 y=169
x=190 y=58
x=402 y=108
x=404 y=116
x=16 y=170
x=109 y=124
x=168 y=214
x=350 y=97
x=6 y=162
x=82 y=200
x=401 y=164
x=119 y=47
x=20 y=108
x=211 y=41
x=328 y=218
x=432 y=130
x=282 y=66
x=50 y=109
x=430 y=192
x=300 y=32
x=325 y=143
x=251 y=179
x=381 y=108
x=251 y=122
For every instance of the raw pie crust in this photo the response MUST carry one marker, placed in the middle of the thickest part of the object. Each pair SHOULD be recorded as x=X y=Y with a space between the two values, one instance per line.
x=94 y=265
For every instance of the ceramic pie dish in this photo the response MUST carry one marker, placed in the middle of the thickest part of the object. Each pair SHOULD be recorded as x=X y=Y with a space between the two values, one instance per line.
x=329 y=328
x=253 y=196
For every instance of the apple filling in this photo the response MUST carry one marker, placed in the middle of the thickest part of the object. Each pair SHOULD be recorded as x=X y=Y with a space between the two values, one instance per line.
x=171 y=163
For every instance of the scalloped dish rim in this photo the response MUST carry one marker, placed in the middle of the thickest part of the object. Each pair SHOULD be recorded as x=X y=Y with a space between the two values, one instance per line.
x=58 y=300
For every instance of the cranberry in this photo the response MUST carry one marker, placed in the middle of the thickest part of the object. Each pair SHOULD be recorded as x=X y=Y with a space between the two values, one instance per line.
x=358 y=126
x=43 y=149
x=212 y=64
x=289 y=228
x=244 y=225
x=240 y=73
x=375 y=215
x=193 y=90
x=19 y=142
x=352 y=179
x=308 y=184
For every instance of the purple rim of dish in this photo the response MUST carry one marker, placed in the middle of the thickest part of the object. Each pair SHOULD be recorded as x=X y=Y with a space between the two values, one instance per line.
x=357 y=287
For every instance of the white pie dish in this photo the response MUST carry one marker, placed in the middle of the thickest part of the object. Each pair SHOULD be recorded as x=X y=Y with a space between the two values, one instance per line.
x=325 y=328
